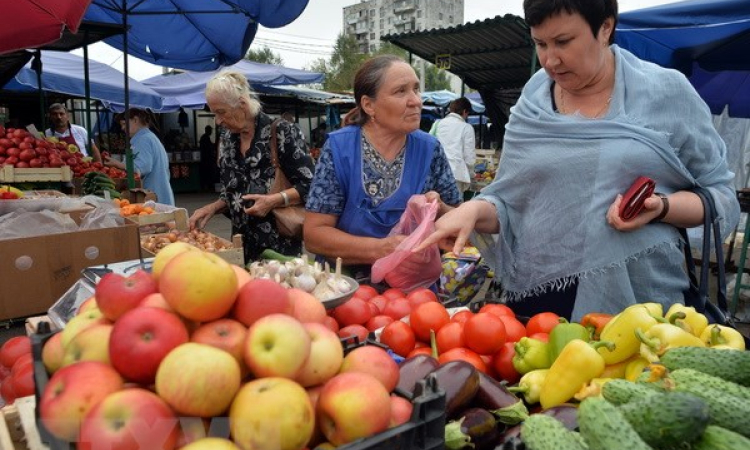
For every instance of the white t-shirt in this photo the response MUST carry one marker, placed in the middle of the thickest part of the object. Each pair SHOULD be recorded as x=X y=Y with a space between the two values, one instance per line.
x=79 y=134
x=457 y=138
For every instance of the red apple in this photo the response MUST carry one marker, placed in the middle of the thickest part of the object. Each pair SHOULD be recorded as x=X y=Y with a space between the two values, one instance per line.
x=87 y=305
x=261 y=297
x=226 y=334
x=353 y=405
x=140 y=340
x=167 y=254
x=198 y=380
x=326 y=356
x=130 y=419
x=72 y=392
x=116 y=294
x=156 y=300
x=272 y=414
x=211 y=443
x=52 y=353
x=200 y=286
x=305 y=307
x=277 y=346
x=91 y=344
x=243 y=276
x=375 y=361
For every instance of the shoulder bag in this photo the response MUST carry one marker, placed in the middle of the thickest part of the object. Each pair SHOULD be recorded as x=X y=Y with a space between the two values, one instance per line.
x=289 y=219
x=697 y=294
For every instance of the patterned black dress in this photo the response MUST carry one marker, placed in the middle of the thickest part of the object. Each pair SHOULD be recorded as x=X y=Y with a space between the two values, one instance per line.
x=254 y=174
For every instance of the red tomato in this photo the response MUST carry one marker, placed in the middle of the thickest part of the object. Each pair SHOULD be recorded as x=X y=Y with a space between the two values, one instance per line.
x=514 y=330
x=544 y=337
x=397 y=308
x=354 y=330
x=399 y=337
x=463 y=354
x=542 y=323
x=331 y=323
x=13 y=349
x=23 y=382
x=6 y=390
x=365 y=292
x=450 y=336
x=378 y=321
x=353 y=311
x=419 y=296
x=502 y=362
x=484 y=333
x=393 y=293
x=420 y=351
x=380 y=301
x=374 y=310
x=24 y=360
x=497 y=309
x=462 y=316
x=426 y=317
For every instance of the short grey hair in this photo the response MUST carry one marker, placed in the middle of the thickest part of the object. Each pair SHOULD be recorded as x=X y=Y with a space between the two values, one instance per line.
x=56 y=106
x=231 y=86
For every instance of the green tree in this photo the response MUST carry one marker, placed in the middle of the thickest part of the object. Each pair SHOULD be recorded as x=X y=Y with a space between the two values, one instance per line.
x=264 y=55
x=435 y=79
x=343 y=64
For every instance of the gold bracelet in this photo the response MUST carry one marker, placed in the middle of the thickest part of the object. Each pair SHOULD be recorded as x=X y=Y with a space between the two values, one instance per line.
x=285 y=197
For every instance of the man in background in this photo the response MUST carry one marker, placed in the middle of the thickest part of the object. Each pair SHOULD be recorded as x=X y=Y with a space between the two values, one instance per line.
x=209 y=162
x=457 y=138
x=319 y=135
x=66 y=132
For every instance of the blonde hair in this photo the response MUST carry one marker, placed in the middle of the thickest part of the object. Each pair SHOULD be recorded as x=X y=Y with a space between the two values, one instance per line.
x=231 y=86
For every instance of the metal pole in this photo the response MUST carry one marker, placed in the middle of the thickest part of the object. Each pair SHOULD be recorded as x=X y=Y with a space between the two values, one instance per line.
x=128 y=151
x=195 y=128
x=36 y=64
x=87 y=91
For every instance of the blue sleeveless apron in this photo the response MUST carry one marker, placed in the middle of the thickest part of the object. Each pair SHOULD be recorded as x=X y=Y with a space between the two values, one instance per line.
x=360 y=216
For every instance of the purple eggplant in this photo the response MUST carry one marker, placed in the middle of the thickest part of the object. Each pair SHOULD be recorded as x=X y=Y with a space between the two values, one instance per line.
x=460 y=381
x=510 y=438
x=413 y=369
x=477 y=428
x=496 y=398
x=565 y=414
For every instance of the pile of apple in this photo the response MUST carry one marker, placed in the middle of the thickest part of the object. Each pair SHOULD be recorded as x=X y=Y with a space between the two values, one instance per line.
x=16 y=369
x=152 y=360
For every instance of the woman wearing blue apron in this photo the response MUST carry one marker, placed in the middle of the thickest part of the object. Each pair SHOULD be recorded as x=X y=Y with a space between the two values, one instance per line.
x=369 y=169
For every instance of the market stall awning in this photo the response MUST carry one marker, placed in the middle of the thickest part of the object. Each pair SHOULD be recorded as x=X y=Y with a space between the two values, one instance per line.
x=64 y=73
x=187 y=89
x=304 y=94
x=715 y=34
x=494 y=56
x=444 y=98
x=192 y=34
x=34 y=23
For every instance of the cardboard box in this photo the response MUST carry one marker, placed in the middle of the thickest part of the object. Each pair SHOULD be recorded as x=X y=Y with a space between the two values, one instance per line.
x=139 y=195
x=36 y=271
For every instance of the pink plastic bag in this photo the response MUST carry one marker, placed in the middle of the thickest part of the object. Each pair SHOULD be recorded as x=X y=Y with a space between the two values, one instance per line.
x=406 y=270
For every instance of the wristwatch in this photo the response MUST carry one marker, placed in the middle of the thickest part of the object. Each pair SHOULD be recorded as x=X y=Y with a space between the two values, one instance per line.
x=664 y=209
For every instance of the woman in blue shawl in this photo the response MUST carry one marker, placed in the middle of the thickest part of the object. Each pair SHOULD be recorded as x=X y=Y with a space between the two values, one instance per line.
x=585 y=127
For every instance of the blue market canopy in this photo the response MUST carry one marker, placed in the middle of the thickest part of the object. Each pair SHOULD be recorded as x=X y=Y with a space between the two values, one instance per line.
x=715 y=34
x=64 y=73
x=192 y=34
x=729 y=88
x=444 y=98
x=187 y=89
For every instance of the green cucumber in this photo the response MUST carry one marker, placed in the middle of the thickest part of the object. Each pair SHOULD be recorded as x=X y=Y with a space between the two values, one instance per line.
x=718 y=438
x=274 y=255
x=542 y=432
x=726 y=409
x=731 y=365
x=720 y=384
x=604 y=427
x=619 y=391
x=669 y=419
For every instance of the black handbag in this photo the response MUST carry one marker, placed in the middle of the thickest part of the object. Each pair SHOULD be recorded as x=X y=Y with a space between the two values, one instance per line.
x=697 y=294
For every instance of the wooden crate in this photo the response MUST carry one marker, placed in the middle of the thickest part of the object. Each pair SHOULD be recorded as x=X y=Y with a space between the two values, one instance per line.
x=178 y=216
x=234 y=255
x=18 y=429
x=10 y=174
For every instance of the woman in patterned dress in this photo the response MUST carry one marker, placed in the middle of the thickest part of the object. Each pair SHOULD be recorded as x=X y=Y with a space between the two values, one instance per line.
x=369 y=169
x=245 y=168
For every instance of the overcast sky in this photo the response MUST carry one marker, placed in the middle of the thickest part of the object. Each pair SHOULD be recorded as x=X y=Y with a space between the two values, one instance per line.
x=314 y=32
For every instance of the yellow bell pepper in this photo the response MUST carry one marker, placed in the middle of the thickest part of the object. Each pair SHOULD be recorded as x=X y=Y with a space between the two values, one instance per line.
x=621 y=332
x=696 y=321
x=720 y=336
x=578 y=363
x=617 y=370
x=530 y=385
x=663 y=336
x=656 y=309
x=635 y=367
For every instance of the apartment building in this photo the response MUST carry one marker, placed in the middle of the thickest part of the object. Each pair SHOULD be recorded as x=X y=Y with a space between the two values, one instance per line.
x=368 y=20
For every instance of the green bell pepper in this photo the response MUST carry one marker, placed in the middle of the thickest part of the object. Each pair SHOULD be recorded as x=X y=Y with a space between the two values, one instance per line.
x=563 y=333
x=531 y=354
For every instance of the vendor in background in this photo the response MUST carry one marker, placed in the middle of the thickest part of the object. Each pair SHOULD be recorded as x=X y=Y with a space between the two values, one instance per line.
x=69 y=133
x=149 y=156
x=209 y=159
x=584 y=129
x=457 y=138
x=369 y=169
x=245 y=168
x=319 y=135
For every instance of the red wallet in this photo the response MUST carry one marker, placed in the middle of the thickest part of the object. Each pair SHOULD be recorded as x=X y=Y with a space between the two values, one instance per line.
x=632 y=201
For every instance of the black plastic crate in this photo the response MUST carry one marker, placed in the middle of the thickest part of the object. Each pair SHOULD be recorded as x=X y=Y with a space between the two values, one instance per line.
x=743 y=196
x=425 y=430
